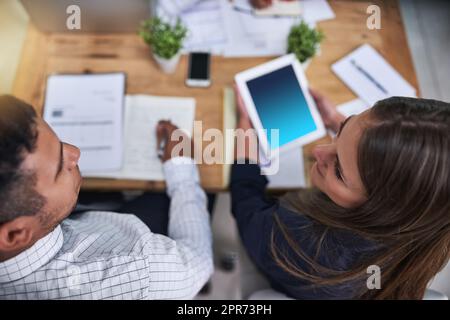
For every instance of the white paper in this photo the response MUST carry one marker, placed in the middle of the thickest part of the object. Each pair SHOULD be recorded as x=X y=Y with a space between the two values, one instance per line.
x=87 y=111
x=271 y=27
x=309 y=10
x=171 y=9
x=353 y=107
x=235 y=29
x=370 y=76
x=317 y=10
x=206 y=31
x=143 y=112
x=252 y=36
x=281 y=8
x=291 y=171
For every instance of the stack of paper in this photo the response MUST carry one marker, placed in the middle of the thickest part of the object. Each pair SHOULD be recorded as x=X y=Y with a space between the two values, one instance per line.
x=370 y=76
x=316 y=10
x=249 y=35
x=252 y=35
x=205 y=25
x=235 y=29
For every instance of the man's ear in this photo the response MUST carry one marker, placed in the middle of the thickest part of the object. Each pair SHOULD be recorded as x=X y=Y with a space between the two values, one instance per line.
x=17 y=234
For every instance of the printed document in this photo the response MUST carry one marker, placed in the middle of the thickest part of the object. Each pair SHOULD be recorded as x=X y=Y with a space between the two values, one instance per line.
x=86 y=110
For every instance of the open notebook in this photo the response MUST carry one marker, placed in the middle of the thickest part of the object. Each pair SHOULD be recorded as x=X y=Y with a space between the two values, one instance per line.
x=142 y=113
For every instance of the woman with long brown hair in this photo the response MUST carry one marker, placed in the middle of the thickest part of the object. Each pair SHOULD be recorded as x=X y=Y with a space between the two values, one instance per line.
x=380 y=200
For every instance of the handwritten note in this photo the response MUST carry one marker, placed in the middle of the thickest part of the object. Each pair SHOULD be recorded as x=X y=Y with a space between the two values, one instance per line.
x=142 y=113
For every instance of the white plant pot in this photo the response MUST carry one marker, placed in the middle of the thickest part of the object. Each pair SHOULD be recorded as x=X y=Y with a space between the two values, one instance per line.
x=168 y=65
x=306 y=64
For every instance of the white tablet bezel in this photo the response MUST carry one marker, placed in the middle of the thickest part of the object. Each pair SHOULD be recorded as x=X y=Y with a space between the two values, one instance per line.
x=250 y=74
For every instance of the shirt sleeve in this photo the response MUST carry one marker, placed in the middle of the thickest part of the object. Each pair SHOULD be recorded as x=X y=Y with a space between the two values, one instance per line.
x=252 y=210
x=185 y=261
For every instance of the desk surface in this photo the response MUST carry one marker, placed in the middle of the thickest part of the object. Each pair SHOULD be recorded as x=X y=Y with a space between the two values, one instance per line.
x=44 y=54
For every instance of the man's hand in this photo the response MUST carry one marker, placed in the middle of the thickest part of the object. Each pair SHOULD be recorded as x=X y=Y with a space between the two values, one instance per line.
x=261 y=4
x=331 y=118
x=164 y=132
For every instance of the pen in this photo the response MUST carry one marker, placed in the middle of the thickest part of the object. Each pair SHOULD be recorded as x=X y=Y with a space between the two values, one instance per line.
x=243 y=10
x=368 y=76
x=163 y=142
x=162 y=147
x=252 y=13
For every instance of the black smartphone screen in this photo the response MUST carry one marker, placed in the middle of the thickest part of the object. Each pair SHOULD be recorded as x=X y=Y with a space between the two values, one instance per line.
x=199 y=66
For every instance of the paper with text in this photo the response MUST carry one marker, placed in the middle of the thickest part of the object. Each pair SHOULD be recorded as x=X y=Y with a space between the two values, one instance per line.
x=86 y=110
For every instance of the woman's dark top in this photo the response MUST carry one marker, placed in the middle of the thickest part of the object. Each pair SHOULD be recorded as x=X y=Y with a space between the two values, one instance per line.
x=254 y=213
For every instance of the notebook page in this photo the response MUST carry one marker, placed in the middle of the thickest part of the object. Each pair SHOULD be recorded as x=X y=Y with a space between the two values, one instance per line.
x=142 y=113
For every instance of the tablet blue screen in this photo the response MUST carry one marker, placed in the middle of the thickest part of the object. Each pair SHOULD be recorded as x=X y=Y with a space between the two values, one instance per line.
x=281 y=105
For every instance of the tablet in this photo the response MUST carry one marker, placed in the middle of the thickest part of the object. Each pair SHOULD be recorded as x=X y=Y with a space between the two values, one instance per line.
x=276 y=97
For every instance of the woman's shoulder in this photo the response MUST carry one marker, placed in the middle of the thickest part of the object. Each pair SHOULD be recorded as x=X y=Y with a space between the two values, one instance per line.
x=330 y=248
x=333 y=247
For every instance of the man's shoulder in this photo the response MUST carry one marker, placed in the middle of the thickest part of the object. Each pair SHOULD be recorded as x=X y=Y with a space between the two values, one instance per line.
x=103 y=218
x=101 y=235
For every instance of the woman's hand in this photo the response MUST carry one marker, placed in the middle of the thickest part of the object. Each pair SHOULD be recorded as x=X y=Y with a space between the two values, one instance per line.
x=331 y=118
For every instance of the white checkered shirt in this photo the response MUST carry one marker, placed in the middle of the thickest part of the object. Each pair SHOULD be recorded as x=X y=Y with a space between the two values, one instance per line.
x=106 y=255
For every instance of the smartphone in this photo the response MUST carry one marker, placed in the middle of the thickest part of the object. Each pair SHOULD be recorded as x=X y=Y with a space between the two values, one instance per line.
x=199 y=69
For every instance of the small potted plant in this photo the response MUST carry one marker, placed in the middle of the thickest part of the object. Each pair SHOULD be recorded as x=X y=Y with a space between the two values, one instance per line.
x=166 y=41
x=304 y=42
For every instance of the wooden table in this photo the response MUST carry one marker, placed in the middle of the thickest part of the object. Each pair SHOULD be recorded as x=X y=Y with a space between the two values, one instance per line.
x=44 y=54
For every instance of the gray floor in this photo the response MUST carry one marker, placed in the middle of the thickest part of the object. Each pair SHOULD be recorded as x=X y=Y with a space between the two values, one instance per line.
x=428 y=30
x=224 y=285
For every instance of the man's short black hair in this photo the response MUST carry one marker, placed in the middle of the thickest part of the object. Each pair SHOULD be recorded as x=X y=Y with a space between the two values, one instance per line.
x=18 y=137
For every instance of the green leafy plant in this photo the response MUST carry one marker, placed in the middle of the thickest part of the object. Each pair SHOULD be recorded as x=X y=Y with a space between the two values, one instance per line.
x=166 y=40
x=304 y=41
